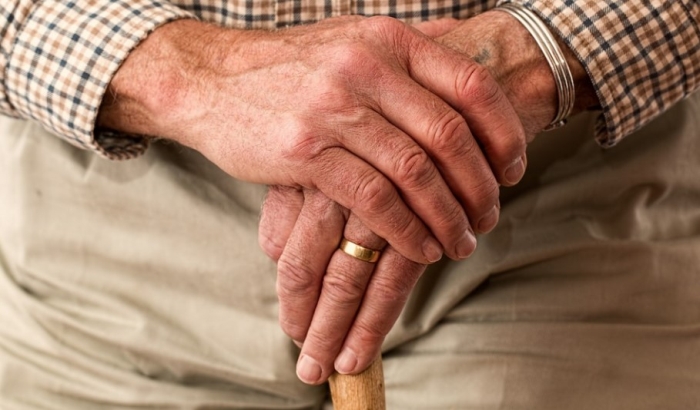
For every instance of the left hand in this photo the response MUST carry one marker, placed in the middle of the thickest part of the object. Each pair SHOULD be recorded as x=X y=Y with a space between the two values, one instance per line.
x=334 y=303
x=326 y=296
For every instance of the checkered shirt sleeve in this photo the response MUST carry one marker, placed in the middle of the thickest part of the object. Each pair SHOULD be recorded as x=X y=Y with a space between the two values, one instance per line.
x=58 y=56
x=641 y=55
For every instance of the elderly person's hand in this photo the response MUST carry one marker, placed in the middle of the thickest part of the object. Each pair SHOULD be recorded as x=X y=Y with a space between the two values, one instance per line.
x=341 y=308
x=327 y=296
x=368 y=111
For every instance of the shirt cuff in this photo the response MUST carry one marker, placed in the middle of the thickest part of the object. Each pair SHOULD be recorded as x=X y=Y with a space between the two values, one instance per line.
x=641 y=57
x=64 y=57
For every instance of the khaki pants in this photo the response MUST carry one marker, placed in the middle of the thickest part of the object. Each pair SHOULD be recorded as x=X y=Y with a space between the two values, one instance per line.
x=141 y=285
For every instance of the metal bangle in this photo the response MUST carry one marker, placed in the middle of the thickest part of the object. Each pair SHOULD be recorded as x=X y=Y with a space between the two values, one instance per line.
x=563 y=78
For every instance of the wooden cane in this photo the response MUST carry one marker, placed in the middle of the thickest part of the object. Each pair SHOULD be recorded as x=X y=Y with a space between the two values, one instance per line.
x=364 y=391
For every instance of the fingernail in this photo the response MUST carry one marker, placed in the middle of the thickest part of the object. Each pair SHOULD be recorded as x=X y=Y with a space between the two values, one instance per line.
x=432 y=250
x=308 y=370
x=489 y=221
x=466 y=245
x=515 y=172
x=346 y=362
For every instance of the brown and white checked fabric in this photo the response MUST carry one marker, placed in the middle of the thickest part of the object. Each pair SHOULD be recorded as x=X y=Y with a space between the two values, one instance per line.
x=58 y=56
x=642 y=55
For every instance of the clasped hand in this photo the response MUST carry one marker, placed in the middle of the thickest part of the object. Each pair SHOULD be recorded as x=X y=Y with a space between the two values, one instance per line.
x=459 y=139
x=365 y=128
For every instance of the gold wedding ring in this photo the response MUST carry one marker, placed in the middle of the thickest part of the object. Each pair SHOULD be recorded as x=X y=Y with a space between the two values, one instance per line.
x=359 y=252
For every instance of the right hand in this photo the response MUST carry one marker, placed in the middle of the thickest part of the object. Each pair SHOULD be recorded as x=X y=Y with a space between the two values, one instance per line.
x=369 y=111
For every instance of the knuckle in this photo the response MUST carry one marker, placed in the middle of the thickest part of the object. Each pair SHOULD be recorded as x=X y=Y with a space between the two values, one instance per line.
x=270 y=246
x=330 y=93
x=384 y=24
x=321 y=206
x=451 y=218
x=405 y=231
x=323 y=341
x=449 y=133
x=510 y=145
x=373 y=193
x=352 y=61
x=476 y=85
x=304 y=142
x=347 y=55
x=376 y=199
x=487 y=192
x=393 y=33
x=414 y=169
x=294 y=278
x=469 y=151
x=370 y=334
x=395 y=289
x=516 y=145
x=400 y=228
x=343 y=290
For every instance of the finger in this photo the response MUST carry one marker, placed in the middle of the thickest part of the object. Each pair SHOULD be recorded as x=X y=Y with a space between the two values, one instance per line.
x=355 y=185
x=475 y=94
x=280 y=210
x=341 y=293
x=443 y=133
x=411 y=169
x=301 y=267
x=392 y=281
x=436 y=28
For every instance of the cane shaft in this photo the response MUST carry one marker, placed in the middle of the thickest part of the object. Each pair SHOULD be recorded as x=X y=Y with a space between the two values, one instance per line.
x=364 y=391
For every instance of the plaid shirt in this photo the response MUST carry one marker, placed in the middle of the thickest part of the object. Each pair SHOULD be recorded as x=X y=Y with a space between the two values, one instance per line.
x=58 y=56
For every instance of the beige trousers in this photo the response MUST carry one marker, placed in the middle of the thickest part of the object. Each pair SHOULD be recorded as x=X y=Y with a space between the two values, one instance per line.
x=140 y=284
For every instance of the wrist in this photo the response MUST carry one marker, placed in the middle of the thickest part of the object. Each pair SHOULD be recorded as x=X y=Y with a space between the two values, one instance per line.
x=506 y=48
x=156 y=88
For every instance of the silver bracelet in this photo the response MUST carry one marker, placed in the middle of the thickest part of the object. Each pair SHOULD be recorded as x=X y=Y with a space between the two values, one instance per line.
x=563 y=78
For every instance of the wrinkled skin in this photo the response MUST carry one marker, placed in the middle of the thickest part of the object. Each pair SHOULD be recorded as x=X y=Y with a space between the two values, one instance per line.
x=340 y=307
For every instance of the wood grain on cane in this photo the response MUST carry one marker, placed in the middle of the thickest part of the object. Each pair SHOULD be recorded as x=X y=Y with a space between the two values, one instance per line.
x=364 y=391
